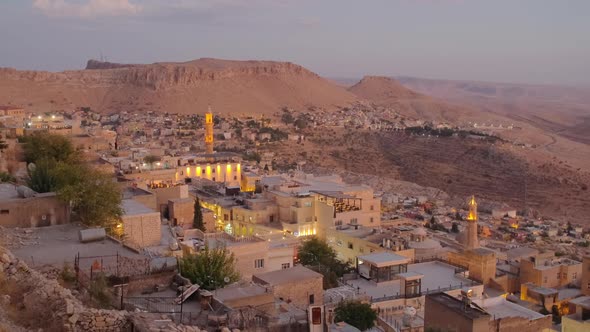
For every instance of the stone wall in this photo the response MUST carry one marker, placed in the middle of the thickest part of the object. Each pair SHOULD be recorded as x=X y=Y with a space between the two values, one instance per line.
x=141 y=283
x=142 y=230
x=521 y=324
x=41 y=210
x=42 y=296
x=43 y=303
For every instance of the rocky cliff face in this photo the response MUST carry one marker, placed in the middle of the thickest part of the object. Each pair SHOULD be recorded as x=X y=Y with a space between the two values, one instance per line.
x=260 y=85
x=160 y=75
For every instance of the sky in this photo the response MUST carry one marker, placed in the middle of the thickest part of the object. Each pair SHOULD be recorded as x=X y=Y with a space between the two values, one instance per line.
x=524 y=41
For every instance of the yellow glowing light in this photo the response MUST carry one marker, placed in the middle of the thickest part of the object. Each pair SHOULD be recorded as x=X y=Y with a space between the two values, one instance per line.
x=188 y=171
x=208 y=171
x=199 y=171
x=218 y=169
x=472 y=209
x=238 y=166
x=228 y=168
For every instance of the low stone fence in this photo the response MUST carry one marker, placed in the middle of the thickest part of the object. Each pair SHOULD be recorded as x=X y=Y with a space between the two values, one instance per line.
x=54 y=308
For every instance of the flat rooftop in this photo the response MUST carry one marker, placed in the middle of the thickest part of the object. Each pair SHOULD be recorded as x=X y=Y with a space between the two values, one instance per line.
x=499 y=307
x=287 y=276
x=235 y=293
x=58 y=244
x=381 y=259
x=436 y=275
x=131 y=208
x=583 y=301
x=457 y=306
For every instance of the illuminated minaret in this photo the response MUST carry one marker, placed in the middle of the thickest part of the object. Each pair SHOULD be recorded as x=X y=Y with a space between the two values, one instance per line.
x=471 y=241
x=209 y=131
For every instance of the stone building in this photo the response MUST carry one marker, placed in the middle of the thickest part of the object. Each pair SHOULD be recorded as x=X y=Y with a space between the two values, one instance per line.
x=550 y=271
x=481 y=262
x=477 y=314
x=586 y=275
x=20 y=209
x=298 y=285
x=445 y=312
x=141 y=225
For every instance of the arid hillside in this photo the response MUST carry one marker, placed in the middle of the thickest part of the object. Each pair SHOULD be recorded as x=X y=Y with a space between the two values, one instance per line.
x=562 y=110
x=494 y=171
x=385 y=91
x=231 y=87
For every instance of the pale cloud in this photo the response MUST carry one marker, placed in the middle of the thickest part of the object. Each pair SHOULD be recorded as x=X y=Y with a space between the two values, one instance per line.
x=87 y=8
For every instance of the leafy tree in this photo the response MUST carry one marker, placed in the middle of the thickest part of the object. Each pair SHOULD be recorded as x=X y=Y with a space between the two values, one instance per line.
x=92 y=194
x=287 y=118
x=357 y=314
x=301 y=122
x=210 y=268
x=94 y=198
x=198 y=218
x=318 y=255
x=50 y=147
x=41 y=177
x=6 y=177
x=150 y=160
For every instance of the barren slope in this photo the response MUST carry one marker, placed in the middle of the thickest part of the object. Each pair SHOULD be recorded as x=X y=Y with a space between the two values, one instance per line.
x=249 y=87
x=557 y=109
x=388 y=92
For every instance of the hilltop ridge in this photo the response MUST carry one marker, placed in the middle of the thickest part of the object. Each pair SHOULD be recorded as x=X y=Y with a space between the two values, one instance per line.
x=230 y=86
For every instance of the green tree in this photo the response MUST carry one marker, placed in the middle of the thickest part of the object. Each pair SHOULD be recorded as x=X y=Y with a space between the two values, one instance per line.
x=357 y=314
x=41 y=176
x=58 y=167
x=318 y=255
x=198 y=218
x=93 y=196
x=210 y=268
x=50 y=147
x=6 y=177
x=150 y=160
x=287 y=117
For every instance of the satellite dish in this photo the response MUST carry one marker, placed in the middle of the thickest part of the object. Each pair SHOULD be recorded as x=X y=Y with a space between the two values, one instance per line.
x=226 y=279
x=31 y=167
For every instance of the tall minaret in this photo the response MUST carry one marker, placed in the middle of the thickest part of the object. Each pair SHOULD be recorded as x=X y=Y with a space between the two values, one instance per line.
x=471 y=241
x=209 y=131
